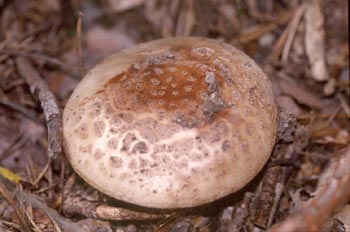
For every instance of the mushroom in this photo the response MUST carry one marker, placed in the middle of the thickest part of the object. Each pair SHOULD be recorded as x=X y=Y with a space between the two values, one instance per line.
x=171 y=123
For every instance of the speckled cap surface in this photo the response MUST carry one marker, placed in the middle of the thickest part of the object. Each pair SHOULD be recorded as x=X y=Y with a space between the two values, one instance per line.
x=171 y=123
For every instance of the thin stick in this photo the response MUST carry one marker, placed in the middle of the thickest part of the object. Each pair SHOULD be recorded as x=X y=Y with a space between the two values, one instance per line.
x=77 y=205
x=40 y=90
x=42 y=173
x=293 y=28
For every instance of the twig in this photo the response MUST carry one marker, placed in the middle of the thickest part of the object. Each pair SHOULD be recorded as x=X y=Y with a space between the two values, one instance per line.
x=42 y=173
x=278 y=47
x=293 y=28
x=280 y=44
x=278 y=193
x=77 y=205
x=80 y=50
x=44 y=189
x=107 y=212
x=267 y=196
x=40 y=90
x=329 y=197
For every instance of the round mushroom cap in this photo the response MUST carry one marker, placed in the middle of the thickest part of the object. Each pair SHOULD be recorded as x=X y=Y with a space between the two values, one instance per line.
x=171 y=123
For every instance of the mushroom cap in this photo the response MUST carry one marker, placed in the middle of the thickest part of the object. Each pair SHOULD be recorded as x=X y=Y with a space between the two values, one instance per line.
x=171 y=123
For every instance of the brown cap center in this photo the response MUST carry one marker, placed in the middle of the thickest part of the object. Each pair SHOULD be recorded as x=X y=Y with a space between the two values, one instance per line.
x=183 y=82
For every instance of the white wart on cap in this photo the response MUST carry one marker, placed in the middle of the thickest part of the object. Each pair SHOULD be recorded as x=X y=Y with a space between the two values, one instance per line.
x=172 y=123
